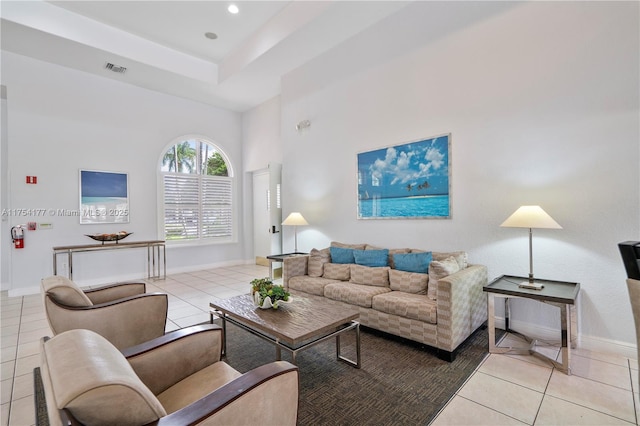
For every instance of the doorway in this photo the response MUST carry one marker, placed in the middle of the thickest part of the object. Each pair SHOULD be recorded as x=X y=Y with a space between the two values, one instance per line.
x=267 y=214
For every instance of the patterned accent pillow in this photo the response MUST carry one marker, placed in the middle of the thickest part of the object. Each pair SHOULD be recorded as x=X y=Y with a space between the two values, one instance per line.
x=317 y=259
x=413 y=262
x=371 y=257
x=368 y=275
x=336 y=271
x=408 y=282
x=460 y=256
x=438 y=270
x=341 y=255
x=351 y=246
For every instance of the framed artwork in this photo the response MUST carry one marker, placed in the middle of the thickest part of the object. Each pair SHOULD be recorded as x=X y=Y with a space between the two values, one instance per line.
x=104 y=197
x=407 y=181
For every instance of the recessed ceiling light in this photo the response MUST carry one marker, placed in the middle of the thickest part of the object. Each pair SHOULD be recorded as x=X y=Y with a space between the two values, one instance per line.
x=233 y=9
x=211 y=36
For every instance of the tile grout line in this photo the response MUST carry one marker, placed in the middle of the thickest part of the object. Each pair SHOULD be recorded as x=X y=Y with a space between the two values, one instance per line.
x=15 y=363
x=544 y=395
x=633 y=396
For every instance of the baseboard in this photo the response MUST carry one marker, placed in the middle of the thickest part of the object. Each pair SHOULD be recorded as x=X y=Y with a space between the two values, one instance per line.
x=201 y=267
x=590 y=343
x=26 y=291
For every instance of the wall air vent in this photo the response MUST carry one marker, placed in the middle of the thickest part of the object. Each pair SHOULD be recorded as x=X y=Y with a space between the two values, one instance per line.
x=115 y=68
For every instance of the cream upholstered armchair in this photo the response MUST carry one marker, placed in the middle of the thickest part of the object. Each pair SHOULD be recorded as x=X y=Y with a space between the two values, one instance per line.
x=123 y=313
x=176 y=379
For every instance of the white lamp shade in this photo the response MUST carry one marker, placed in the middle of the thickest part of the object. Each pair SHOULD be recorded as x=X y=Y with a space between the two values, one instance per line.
x=530 y=217
x=295 y=219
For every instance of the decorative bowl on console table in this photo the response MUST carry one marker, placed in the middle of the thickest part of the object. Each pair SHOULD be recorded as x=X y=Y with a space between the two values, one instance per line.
x=110 y=237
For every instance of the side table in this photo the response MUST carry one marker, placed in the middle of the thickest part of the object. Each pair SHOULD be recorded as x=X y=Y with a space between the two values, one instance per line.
x=280 y=258
x=561 y=294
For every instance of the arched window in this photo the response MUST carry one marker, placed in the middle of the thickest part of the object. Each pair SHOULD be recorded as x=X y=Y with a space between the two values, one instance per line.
x=197 y=186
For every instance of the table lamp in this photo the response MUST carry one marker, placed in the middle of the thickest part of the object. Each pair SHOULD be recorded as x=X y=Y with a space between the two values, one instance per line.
x=295 y=219
x=530 y=217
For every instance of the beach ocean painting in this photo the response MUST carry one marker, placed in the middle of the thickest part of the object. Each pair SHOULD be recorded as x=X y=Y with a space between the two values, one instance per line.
x=405 y=181
x=104 y=197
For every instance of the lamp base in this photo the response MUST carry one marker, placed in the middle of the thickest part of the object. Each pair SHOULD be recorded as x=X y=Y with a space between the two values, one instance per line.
x=531 y=285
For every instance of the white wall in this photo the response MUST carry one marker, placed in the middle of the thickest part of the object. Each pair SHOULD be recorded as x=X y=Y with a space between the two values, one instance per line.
x=261 y=146
x=60 y=121
x=541 y=100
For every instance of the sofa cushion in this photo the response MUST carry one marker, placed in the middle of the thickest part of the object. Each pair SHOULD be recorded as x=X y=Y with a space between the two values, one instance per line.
x=337 y=271
x=354 y=294
x=341 y=255
x=460 y=256
x=438 y=270
x=313 y=285
x=409 y=282
x=371 y=257
x=351 y=246
x=65 y=291
x=413 y=262
x=414 y=306
x=369 y=275
x=316 y=261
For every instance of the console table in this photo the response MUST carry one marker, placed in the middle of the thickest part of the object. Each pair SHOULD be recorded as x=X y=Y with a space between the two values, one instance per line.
x=156 y=255
x=561 y=294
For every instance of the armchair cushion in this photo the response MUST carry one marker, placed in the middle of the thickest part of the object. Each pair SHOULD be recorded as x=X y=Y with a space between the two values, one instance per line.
x=65 y=291
x=196 y=386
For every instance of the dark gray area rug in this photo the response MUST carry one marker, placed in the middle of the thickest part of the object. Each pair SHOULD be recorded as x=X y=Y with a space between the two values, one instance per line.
x=400 y=382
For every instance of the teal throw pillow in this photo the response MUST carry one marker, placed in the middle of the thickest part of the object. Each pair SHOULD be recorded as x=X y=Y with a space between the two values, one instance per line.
x=341 y=255
x=371 y=257
x=413 y=262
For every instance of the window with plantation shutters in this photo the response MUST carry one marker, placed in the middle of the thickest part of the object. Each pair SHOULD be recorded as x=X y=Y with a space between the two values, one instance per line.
x=198 y=196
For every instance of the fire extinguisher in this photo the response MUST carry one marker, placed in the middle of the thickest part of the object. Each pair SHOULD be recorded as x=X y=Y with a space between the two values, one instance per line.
x=17 y=235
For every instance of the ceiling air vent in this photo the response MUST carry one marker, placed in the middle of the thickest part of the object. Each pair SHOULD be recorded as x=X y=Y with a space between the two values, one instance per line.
x=115 y=68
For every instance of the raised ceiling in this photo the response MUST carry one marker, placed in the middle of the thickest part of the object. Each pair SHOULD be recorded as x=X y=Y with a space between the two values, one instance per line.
x=162 y=44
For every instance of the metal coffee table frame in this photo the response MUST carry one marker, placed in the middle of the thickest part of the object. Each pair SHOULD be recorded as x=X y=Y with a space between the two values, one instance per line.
x=308 y=321
x=277 y=342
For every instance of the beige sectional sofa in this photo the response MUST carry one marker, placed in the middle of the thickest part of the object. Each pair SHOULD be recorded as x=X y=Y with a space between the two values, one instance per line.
x=435 y=298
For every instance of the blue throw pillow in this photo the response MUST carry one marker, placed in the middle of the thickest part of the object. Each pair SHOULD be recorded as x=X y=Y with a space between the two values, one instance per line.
x=341 y=255
x=371 y=257
x=412 y=262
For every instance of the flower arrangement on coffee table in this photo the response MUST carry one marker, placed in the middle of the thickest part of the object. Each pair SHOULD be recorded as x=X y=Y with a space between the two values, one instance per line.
x=267 y=295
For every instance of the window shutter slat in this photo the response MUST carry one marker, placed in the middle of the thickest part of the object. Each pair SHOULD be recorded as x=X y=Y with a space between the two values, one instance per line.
x=197 y=206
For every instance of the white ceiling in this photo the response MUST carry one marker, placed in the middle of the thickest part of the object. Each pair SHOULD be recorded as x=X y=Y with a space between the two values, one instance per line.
x=163 y=47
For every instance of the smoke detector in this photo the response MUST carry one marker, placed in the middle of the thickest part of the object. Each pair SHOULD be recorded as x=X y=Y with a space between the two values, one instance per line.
x=115 y=68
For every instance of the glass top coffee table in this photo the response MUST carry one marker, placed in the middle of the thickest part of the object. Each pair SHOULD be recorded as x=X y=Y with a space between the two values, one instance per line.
x=294 y=326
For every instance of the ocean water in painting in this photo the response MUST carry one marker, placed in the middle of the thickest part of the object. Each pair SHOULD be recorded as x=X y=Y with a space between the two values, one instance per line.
x=427 y=206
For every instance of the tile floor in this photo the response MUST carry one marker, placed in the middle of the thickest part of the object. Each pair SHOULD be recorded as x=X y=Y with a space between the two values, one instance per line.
x=505 y=389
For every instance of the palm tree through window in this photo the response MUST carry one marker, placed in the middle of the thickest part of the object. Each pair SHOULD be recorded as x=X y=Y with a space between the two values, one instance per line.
x=197 y=192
